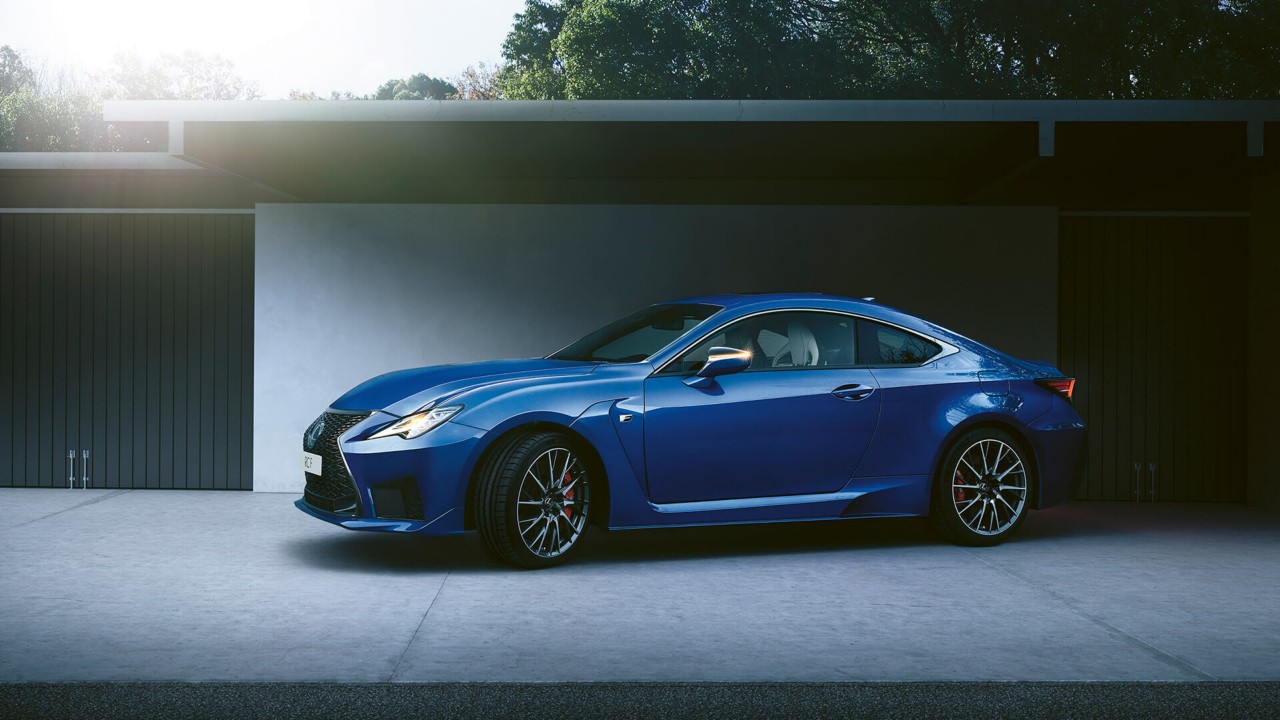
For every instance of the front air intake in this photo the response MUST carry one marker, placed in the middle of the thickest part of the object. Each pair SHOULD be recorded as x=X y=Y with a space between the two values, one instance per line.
x=397 y=500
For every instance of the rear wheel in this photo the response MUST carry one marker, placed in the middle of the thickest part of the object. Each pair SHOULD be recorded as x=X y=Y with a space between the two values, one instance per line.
x=533 y=499
x=981 y=496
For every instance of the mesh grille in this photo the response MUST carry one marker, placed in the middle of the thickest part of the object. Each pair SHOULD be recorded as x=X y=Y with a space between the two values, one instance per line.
x=333 y=491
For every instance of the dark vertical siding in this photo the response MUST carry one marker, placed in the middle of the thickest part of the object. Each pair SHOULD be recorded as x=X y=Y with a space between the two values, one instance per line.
x=245 y=316
x=8 y=258
x=130 y=336
x=1149 y=324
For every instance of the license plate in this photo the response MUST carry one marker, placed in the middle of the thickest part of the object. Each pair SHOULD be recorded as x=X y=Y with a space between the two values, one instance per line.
x=312 y=463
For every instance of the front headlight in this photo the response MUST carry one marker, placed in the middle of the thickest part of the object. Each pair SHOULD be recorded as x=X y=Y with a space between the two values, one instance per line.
x=412 y=426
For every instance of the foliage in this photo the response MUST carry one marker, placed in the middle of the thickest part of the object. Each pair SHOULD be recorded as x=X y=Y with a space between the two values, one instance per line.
x=415 y=87
x=535 y=70
x=893 y=48
x=62 y=121
x=311 y=95
x=189 y=76
x=14 y=73
x=478 y=82
x=35 y=118
x=68 y=118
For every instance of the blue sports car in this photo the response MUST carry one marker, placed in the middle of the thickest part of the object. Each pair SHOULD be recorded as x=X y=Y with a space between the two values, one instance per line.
x=714 y=410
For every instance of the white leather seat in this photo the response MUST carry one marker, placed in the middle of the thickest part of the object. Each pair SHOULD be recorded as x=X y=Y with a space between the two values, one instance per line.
x=801 y=348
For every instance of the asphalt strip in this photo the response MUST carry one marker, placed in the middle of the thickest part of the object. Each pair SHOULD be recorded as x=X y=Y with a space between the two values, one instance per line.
x=564 y=701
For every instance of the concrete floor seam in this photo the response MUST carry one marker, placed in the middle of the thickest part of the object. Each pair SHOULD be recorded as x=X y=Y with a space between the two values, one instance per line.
x=86 y=503
x=1161 y=655
x=418 y=629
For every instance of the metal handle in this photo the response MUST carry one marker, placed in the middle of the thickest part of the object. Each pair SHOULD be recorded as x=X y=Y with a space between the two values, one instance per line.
x=84 y=469
x=853 y=392
x=1137 y=482
x=71 y=469
x=1151 y=470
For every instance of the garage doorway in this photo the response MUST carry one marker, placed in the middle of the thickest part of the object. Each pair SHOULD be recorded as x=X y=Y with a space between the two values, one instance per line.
x=1151 y=323
x=126 y=350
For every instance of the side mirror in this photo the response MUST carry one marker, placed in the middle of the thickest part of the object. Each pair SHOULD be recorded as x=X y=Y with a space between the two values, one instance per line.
x=720 y=361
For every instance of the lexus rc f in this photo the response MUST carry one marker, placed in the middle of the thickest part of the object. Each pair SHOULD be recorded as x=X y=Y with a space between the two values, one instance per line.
x=713 y=410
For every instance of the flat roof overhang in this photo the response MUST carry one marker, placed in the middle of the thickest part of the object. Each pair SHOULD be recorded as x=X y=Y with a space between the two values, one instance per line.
x=1198 y=155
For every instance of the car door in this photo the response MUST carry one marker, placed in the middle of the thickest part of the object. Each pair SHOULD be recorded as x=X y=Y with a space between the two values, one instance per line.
x=794 y=423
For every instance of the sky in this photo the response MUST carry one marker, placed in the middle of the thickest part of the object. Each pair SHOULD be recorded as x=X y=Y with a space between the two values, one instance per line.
x=282 y=45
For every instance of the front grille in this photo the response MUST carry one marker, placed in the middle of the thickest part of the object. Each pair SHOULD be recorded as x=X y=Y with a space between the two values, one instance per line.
x=334 y=490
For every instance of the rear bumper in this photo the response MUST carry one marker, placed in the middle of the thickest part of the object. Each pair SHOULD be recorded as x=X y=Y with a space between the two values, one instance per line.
x=1058 y=437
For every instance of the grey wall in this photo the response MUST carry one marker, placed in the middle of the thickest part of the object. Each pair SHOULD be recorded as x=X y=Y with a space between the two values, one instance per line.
x=350 y=291
x=1264 y=308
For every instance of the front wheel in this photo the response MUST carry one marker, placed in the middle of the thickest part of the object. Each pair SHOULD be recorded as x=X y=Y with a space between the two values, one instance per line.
x=533 y=499
x=981 y=495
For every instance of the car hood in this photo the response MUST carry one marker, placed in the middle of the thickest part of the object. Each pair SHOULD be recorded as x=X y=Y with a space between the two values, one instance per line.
x=404 y=391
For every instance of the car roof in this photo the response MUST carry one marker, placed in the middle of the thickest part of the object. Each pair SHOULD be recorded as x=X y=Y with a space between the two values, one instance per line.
x=818 y=301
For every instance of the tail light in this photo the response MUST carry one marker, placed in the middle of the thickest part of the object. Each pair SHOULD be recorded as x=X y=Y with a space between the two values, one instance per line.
x=1062 y=386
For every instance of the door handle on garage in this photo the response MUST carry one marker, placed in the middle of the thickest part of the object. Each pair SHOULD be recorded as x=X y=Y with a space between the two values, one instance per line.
x=853 y=392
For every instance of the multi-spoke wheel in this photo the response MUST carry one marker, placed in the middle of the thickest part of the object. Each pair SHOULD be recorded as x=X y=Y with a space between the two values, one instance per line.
x=981 y=495
x=533 y=499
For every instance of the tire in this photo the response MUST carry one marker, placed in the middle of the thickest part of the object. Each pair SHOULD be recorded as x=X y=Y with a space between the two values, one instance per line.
x=533 y=499
x=983 y=490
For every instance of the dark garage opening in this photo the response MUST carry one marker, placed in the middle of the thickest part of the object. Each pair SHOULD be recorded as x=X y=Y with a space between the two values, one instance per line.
x=1149 y=324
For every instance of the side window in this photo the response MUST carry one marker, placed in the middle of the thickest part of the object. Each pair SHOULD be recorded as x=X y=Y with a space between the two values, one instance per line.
x=880 y=344
x=781 y=340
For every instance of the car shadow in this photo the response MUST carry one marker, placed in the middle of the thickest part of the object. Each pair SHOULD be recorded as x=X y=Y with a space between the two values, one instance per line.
x=381 y=552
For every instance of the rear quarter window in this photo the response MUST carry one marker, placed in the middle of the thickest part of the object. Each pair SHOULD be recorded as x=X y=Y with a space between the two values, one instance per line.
x=880 y=344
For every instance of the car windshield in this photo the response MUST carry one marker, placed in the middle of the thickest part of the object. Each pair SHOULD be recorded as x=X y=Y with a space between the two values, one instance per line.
x=638 y=335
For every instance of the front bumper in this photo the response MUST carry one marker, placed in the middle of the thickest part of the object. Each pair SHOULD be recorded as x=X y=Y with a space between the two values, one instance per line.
x=434 y=467
x=371 y=524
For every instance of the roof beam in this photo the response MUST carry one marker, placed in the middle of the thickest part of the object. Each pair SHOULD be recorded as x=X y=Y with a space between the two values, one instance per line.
x=1251 y=111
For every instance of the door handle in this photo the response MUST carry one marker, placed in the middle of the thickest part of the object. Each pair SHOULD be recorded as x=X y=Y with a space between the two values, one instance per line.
x=853 y=392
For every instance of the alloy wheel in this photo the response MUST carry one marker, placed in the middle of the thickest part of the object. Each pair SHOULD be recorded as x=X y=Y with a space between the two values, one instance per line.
x=552 y=502
x=989 y=486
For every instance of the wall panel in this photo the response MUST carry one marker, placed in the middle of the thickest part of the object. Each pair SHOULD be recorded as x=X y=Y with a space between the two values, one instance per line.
x=115 y=339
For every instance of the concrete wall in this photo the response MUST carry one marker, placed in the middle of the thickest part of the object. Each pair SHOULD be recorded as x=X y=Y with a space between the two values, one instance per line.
x=347 y=292
x=1264 y=310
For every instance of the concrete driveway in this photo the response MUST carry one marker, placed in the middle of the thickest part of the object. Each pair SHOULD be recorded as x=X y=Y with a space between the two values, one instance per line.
x=103 y=585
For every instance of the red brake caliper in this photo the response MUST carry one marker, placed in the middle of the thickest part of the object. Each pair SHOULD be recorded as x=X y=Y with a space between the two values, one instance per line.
x=958 y=480
x=568 y=495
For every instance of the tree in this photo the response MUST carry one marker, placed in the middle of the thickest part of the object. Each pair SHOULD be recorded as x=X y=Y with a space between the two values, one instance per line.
x=189 y=76
x=534 y=68
x=66 y=122
x=66 y=118
x=673 y=49
x=893 y=48
x=311 y=95
x=14 y=73
x=415 y=87
x=478 y=82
